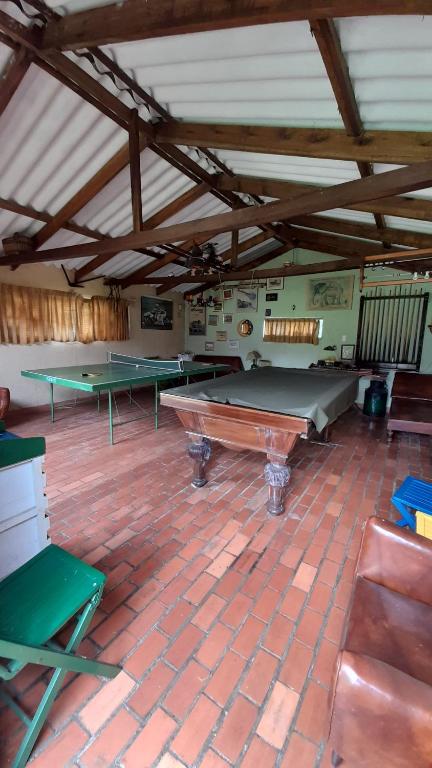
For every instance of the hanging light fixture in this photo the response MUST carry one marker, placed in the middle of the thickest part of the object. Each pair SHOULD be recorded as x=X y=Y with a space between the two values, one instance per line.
x=205 y=260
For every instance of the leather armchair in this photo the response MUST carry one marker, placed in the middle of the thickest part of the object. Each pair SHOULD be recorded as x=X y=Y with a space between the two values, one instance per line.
x=381 y=703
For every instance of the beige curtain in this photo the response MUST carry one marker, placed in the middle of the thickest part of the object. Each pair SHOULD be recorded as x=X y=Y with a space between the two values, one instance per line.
x=102 y=319
x=32 y=315
x=302 y=330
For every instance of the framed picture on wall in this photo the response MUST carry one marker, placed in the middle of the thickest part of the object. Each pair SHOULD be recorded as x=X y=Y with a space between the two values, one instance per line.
x=329 y=292
x=209 y=346
x=212 y=320
x=272 y=296
x=197 y=321
x=218 y=306
x=348 y=352
x=221 y=335
x=247 y=299
x=228 y=318
x=156 y=314
x=275 y=283
x=227 y=294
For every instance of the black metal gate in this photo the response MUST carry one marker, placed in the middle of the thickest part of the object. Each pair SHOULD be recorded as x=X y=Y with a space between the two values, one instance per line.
x=391 y=328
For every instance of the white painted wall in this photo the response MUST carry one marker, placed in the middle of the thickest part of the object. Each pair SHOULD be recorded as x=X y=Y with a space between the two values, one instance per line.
x=16 y=357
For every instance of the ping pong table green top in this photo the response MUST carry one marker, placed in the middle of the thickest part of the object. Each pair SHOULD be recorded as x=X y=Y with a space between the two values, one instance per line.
x=120 y=372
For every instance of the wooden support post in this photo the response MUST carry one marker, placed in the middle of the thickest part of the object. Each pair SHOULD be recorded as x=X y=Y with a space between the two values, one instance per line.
x=234 y=247
x=135 y=171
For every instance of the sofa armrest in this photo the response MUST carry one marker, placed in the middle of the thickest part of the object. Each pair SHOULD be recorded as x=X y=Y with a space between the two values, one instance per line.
x=379 y=715
x=397 y=559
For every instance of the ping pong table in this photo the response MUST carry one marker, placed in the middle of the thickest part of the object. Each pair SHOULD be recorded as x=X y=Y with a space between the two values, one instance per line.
x=120 y=372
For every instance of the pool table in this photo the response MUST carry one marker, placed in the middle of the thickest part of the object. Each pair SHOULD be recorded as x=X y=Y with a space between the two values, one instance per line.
x=266 y=410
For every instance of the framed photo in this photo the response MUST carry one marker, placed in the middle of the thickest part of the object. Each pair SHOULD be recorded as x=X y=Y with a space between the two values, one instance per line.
x=197 y=321
x=347 y=351
x=209 y=346
x=268 y=312
x=275 y=283
x=221 y=336
x=272 y=296
x=228 y=318
x=156 y=314
x=218 y=306
x=329 y=293
x=212 y=320
x=247 y=299
x=233 y=344
x=227 y=294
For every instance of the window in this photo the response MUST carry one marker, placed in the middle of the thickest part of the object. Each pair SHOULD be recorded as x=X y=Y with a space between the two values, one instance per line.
x=391 y=328
x=292 y=330
x=32 y=315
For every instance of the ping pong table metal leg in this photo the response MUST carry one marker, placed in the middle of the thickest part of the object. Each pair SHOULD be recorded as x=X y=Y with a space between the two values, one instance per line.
x=110 y=417
x=130 y=394
x=52 y=400
x=98 y=401
x=156 y=405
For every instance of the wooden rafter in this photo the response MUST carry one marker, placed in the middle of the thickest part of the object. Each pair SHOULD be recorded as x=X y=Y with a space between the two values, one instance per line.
x=396 y=147
x=135 y=171
x=406 y=207
x=395 y=182
x=344 y=247
x=12 y=77
x=347 y=228
x=326 y=36
x=153 y=221
x=116 y=163
x=135 y=20
x=392 y=259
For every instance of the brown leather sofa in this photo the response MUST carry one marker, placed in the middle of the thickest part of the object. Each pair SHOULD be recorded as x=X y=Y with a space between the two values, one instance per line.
x=381 y=705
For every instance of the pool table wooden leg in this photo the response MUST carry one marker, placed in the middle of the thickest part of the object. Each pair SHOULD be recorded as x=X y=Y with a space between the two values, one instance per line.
x=199 y=452
x=277 y=477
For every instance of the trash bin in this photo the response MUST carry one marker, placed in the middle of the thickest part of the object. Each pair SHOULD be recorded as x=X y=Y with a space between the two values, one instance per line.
x=375 y=399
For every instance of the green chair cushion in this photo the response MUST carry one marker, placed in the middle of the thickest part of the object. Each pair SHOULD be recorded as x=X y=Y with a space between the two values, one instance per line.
x=39 y=598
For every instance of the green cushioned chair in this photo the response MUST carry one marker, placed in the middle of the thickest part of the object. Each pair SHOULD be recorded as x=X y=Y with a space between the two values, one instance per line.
x=36 y=601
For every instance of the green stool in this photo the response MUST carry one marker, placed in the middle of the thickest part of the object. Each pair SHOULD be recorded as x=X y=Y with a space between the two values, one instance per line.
x=36 y=601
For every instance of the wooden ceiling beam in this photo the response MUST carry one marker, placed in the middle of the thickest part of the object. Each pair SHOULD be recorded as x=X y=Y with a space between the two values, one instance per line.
x=135 y=171
x=307 y=269
x=32 y=213
x=16 y=69
x=397 y=147
x=368 y=231
x=326 y=36
x=183 y=200
x=395 y=182
x=100 y=179
x=406 y=207
x=135 y=20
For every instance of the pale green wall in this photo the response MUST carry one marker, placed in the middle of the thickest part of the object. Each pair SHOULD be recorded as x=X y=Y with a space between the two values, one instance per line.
x=337 y=323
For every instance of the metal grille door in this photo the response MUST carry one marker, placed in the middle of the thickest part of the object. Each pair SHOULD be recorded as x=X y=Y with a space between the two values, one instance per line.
x=391 y=328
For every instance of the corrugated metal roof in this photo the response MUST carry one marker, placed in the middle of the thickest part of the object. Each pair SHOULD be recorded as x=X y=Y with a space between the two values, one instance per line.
x=390 y=65
x=252 y=74
x=53 y=142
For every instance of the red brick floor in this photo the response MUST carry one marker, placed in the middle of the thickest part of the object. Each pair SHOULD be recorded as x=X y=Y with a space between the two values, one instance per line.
x=226 y=621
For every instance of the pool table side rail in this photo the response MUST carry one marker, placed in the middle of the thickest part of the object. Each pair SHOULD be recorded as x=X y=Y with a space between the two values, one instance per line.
x=237 y=426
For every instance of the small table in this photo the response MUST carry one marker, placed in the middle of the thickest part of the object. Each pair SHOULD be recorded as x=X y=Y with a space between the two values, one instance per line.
x=412 y=494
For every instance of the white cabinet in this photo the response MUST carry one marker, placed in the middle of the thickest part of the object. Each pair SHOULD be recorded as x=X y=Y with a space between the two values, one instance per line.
x=24 y=521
